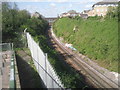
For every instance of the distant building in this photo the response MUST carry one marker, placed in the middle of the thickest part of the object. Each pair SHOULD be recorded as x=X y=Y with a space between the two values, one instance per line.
x=50 y=19
x=85 y=16
x=101 y=8
x=73 y=13
x=36 y=14
x=85 y=11
x=70 y=13
x=64 y=15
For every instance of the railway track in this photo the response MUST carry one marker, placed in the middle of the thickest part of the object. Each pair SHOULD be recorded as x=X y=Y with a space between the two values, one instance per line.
x=96 y=78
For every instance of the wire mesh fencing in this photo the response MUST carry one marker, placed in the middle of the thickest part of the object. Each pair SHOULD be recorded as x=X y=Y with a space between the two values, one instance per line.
x=5 y=47
x=43 y=66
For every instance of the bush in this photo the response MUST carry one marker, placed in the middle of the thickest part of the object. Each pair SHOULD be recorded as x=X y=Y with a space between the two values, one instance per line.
x=97 y=37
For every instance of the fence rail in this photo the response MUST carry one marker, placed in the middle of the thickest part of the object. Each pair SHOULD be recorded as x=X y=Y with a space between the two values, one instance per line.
x=43 y=66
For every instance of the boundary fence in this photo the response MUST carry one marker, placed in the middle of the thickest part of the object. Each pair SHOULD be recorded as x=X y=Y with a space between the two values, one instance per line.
x=43 y=66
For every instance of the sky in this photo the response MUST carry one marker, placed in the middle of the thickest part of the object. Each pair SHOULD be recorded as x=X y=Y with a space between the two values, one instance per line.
x=52 y=8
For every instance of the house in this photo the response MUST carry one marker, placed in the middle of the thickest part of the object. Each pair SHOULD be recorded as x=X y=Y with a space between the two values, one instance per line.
x=64 y=15
x=73 y=13
x=36 y=15
x=85 y=11
x=101 y=8
x=85 y=16
x=70 y=13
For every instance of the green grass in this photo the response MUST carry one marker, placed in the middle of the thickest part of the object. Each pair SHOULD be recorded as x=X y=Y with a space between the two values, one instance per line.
x=96 y=38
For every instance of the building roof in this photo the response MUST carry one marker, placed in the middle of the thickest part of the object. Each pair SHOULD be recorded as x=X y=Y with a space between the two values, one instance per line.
x=86 y=11
x=105 y=2
x=84 y=15
x=110 y=1
x=64 y=13
x=72 y=11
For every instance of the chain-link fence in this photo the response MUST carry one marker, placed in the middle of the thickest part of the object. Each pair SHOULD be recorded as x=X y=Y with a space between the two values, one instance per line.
x=44 y=68
x=5 y=47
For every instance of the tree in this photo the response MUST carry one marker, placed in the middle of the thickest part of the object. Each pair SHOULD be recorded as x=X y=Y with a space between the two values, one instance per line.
x=112 y=12
x=14 y=21
x=6 y=21
x=119 y=12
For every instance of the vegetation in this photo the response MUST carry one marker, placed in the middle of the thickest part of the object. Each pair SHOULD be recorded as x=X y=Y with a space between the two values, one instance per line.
x=112 y=12
x=14 y=23
x=69 y=77
x=95 y=37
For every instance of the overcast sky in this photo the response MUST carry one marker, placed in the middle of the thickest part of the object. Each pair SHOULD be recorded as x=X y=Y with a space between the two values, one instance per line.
x=51 y=8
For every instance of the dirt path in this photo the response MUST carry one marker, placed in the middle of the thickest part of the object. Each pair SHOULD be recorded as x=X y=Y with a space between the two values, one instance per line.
x=29 y=77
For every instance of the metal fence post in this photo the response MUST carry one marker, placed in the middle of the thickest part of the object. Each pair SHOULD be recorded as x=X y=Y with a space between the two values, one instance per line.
x=52 y=84
x=38 y=58
x=46 y=67
x=47 y=73
x=12 y=47
x=25 y=36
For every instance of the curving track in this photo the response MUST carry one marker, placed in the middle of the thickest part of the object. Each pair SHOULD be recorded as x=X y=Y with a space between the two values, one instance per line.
x=95 y=77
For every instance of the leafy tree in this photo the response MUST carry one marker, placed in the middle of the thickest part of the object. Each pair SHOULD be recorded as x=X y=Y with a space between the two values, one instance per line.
x=14 y=21
x=6 y=21
x=119 y=11
x=112 y=12
x=23 y=16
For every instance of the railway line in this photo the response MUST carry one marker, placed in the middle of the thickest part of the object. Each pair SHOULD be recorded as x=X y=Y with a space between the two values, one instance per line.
x=94 y=76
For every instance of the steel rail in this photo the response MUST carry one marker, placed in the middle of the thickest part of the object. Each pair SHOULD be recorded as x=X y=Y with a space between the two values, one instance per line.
x=98 y=78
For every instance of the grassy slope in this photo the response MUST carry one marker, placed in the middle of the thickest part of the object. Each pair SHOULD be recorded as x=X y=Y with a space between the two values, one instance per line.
x=96 y=38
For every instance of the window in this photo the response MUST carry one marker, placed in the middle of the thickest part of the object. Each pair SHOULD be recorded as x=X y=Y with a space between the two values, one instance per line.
x=106 y=10
x=97 y=10
x=102 y=10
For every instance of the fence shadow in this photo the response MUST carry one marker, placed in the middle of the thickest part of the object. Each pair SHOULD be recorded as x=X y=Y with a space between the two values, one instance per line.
x=70 y=77
x=29 y=78
x=79 y=80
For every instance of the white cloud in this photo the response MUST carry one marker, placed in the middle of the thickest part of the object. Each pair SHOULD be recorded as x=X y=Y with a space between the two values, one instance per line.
x=94 y=0
x=22 y=0
x=70 y=5
x=88 y=6
x=87 y=1
x=79 y=1
x=31 y=8
x=52 y=4
x=57 y=0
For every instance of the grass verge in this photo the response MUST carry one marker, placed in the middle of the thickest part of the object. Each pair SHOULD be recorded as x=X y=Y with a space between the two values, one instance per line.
x=94 y=37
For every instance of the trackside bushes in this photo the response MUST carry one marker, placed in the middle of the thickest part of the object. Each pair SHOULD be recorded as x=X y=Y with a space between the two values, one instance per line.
x=96 y=37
